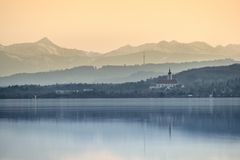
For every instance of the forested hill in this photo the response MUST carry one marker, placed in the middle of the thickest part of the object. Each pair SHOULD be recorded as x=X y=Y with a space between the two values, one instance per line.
x=223 y=81
x=209 y=74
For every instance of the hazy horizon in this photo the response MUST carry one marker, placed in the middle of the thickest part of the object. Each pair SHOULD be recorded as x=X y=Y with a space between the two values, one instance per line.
x=128 y=32
x=106 y=25
x=136 y=45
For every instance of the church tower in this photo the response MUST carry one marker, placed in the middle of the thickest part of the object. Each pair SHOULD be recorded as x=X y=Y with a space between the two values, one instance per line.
x=169 y=75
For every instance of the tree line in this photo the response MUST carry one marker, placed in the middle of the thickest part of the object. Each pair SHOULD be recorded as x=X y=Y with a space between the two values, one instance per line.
x=228 y=88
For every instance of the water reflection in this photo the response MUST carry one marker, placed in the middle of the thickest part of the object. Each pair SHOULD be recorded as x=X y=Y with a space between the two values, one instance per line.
x=149 y=129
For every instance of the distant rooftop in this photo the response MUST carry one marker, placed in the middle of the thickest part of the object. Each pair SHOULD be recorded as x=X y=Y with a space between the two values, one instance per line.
x=165 y=81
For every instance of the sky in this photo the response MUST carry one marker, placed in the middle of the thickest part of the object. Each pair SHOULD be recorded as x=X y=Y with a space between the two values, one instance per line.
x=103 y=25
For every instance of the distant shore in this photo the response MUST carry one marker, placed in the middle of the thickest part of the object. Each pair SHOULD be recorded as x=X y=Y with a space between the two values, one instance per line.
x=223 y=81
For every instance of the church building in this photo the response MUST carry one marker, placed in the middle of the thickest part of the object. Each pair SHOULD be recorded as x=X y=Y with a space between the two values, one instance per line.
x=169 y=82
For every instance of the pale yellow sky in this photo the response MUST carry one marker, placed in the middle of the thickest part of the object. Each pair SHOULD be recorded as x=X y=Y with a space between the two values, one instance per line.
x=102 y=25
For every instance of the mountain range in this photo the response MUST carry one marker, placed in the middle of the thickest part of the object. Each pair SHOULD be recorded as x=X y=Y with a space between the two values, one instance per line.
x=44 y=55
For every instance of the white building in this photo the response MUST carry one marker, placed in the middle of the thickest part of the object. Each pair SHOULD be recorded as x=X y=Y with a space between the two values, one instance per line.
x=66 y=91
x=165 y=83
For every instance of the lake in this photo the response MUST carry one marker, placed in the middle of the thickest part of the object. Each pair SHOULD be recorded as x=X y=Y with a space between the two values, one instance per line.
x=120 y=129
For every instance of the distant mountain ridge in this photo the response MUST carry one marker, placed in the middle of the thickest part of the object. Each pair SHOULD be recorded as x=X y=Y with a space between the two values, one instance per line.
x=172 y=51
x=162 y=46
x=42 y=47
x=105 y=74
x=44 y=55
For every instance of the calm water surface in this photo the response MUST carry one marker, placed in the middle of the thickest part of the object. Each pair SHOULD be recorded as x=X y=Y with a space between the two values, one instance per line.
x=120 y=129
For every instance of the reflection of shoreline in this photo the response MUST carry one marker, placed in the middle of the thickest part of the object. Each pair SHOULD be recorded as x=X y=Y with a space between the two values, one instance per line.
x=214 y=120
x=200 y=115
x=170 y=131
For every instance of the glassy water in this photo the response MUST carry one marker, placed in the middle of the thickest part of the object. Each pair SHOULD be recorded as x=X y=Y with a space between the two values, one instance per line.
x=120 y=129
